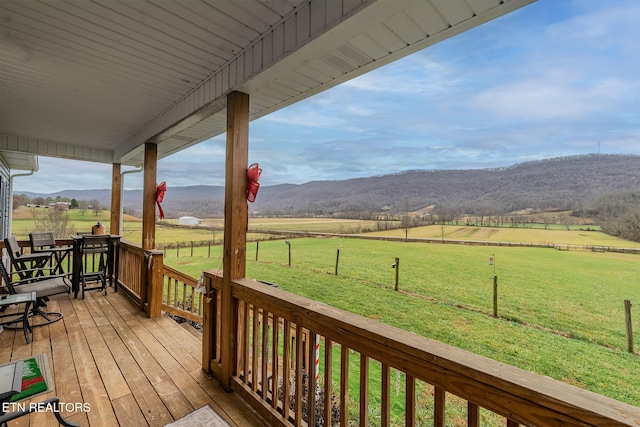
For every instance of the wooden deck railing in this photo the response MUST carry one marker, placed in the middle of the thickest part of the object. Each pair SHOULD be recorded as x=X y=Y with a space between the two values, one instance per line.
x=261 y=342
x=140 y=275
x=180 y=297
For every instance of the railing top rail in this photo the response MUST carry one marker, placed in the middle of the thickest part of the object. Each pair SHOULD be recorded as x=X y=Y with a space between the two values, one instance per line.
x=486 y=382
x=180 y=276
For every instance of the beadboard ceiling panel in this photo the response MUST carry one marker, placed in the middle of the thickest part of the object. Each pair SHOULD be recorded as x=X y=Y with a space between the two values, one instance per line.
x=95 y=80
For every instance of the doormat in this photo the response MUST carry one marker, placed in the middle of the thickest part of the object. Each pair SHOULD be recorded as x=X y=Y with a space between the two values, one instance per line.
x=203 y=417
x=36 y=377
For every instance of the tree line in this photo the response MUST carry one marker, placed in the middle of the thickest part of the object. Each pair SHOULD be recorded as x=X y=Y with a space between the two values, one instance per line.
x=83 y=205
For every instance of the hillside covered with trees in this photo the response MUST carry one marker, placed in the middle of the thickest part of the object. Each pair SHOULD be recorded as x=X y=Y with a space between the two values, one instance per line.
x=604 y=186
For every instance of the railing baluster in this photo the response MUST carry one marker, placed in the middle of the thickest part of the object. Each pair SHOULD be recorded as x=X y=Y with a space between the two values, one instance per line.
x=473 y=415
x=265 y=354
x=364 y=390
x=328 y=389
x=311 y=375
x=245 y=341
x=385 y=396
x=410 y=402
x=255 y=348
x=286 y=369
x=344 y=386
x=275 y=361
x=193 y=298
x=438 y=406
x=511 y=423
x=298 y=373
x=184 y=296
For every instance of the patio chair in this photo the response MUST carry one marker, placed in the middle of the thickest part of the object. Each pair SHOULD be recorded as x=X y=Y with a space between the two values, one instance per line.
x=26 y=265
x=94 y=253
x=43 y=286
x=43 y=242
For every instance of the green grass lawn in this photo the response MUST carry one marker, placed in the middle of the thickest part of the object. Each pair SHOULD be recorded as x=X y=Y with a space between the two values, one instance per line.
x=553 y=235
x=561 y=313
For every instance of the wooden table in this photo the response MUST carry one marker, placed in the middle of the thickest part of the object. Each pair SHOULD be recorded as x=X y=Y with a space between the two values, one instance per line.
x=21 y=316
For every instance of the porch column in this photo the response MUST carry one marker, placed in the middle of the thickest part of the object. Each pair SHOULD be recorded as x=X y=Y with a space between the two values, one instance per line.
x=235 y=224
x=116 y=184
x=149 y=196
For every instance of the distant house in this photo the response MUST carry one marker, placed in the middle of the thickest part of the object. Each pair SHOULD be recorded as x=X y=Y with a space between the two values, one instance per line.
x=60 y=205
x=188 y=220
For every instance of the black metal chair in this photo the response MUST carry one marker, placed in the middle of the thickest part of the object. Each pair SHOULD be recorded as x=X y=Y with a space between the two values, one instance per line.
x=94 y=253
x=43 y=242
x=26 y=265
x=43 y=286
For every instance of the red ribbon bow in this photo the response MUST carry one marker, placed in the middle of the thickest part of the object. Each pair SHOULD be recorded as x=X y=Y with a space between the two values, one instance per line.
x=253 y=174
x=160 y=190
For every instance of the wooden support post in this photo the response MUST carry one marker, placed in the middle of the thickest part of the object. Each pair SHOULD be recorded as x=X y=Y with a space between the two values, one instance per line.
x=149 y=197
x=116 y=184
x=155 y=282
x=627 y=317
x=235 y=224
x=208 y=329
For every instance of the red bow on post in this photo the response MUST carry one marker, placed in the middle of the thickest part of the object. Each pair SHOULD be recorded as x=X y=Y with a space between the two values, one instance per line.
x=253 y=174
x=160 y=190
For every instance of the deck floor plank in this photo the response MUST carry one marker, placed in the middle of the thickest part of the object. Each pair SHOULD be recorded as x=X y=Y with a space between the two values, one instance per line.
x=114 y=382
x=132 y=371
x=128 y=411
x=151 y=406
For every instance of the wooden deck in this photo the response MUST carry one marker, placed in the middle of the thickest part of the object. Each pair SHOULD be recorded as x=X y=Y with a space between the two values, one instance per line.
x=129 y=369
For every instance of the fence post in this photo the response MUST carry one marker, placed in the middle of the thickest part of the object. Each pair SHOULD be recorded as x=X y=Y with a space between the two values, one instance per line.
x=192 y=249
x=495 y=295
x=396 y=265
x=257 y=247
x=627 y=316
x=337 y=260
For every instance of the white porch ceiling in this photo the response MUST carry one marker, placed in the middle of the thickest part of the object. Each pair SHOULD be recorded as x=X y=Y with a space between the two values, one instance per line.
x=95 y=80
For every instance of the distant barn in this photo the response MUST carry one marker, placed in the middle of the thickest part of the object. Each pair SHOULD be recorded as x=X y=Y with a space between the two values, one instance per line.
x=188 y=220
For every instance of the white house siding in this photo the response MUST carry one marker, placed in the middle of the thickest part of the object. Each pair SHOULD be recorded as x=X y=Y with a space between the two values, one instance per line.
x=5 y=200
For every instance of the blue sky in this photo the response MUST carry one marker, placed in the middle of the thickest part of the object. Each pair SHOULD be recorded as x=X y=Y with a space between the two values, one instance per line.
x=555 y=78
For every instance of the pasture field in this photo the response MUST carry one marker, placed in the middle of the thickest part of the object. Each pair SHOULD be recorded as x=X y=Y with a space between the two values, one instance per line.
x=552 y=235
x=560 y=313
x=210 y=230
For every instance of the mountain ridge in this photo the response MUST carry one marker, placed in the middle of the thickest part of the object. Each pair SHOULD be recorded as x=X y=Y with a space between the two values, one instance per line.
x=570 y=182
